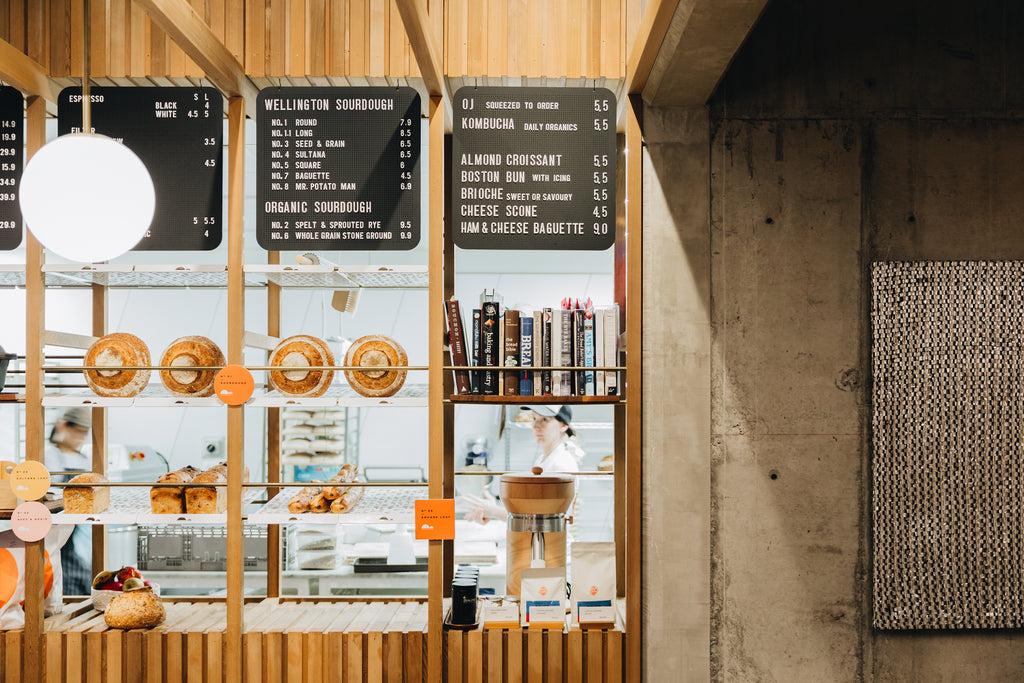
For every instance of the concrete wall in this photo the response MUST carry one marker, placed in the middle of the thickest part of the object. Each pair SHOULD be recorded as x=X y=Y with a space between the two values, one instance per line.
x=843 y=133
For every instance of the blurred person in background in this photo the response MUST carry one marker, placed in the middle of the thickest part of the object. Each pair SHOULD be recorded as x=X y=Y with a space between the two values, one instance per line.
x=64 y=454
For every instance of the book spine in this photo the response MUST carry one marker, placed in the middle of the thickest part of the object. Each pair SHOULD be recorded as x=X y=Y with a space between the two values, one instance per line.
x=457 y=345
x=489 y=347
x=588 y=352
x=565 y=357
x=579 y=352
x=611 y=349
x=538 y=325
x=599 y=351
x=525 y=354
x=511 y=355
x=545 y=350
x=474 y=377
x=501 y=351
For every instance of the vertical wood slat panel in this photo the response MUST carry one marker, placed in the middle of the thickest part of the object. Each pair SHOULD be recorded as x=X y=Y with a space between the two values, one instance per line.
x=398 y=42
x=457 y=41
x=356 y=37
x=73 y=661
x=555 y=39
x=573 y=27
x=497 y=50
x=377 y=37
x=518 y=48
x=215 y=656
x=454 y=656
x=216 y=20
x=113 y=645
x=12 y=656
x=354 y=657
x=553 y=656
x=613 y=657
x=53 y=654
x=234 y=28
x=276 y=37
x=594 y=654
x=535 y=34
x=495 y=640
x=574 y=656
x=15 y=28
x=94 y=656
x=59 y=39
x=76 y=37
x=137 y=41
x=474 y=646
x=36 y=37
x=476 y=50
x=255 y=37
x=514 y=655
x=98 y=26
x=297 y=38
x=611 y=62
x=535 y=656
x=157 y=50
x=316 y=37
x=337 y=54
x=118 y=39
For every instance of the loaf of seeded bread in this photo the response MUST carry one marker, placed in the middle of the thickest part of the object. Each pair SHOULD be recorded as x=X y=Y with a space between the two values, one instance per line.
x=170 y=500
x=85 y=500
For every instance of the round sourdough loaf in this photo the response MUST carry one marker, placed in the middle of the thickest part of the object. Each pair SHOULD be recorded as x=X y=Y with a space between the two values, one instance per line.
x=135 y=609
x=190 y=352
x=379 y=353
x=120 y=352
x=293 y=355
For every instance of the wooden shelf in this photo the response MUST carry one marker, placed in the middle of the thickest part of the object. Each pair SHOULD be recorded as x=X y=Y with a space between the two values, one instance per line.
x=525 y=400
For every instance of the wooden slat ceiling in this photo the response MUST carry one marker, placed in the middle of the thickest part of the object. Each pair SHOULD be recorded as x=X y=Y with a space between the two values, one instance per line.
x=332 y=42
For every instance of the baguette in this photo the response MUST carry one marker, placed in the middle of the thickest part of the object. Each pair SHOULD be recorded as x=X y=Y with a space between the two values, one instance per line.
x=301 y=501
x=86 y=500
x=319 y=503
x=345 y=475
x=347 y=500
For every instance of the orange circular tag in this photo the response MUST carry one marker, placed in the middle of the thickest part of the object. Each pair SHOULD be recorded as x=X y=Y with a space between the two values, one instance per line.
x=31 y=521
x=29 y=480
x=233 y=385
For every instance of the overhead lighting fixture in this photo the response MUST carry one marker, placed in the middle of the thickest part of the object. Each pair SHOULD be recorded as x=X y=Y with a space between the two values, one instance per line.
x=85 y=196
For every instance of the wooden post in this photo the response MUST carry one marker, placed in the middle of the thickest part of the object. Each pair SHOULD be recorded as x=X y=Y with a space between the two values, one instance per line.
x=634 y=395
x=99 y=430
x=235 y=422
x=35 y=438
x=273 y=440
x=436 y=408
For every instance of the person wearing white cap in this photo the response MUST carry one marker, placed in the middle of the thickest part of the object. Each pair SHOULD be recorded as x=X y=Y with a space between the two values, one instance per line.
x=552 y=428
x=64 y=454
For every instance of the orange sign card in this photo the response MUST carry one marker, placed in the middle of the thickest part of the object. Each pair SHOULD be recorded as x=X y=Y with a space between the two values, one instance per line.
x=30 y=480
x=233 y=385
x=31 y=521
x=435 y=519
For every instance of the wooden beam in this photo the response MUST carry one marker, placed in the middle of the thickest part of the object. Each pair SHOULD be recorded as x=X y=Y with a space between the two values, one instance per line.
x=428 y=57
x=698 y=44
x=646 y=47
x=25 y=73
x=191 y=34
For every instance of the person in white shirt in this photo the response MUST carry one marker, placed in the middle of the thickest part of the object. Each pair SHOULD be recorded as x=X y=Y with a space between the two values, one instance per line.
x=64 y=454
x=552 y=428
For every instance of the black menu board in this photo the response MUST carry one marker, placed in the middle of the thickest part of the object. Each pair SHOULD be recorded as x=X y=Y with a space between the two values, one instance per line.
x=177 y=133
x=12 y=162
x=338 y=168
x=533 y=168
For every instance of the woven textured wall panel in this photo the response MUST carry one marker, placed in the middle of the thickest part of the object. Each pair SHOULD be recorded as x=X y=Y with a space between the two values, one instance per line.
x=948 y=461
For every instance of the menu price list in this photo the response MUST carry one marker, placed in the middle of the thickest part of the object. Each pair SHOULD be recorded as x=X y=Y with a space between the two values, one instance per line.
x=533 y=168
x=178 y=134
x=12 y=161
x=337 y=168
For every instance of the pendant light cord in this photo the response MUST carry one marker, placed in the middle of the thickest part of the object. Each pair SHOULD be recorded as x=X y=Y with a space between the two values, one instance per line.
x=86 y=68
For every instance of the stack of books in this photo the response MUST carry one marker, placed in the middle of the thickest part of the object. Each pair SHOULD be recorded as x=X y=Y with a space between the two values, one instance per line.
x=575 y=335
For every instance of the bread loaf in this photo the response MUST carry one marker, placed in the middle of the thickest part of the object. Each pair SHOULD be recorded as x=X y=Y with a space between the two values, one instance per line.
x=300 y=352
x=117 y=351
x=207 y=501
x=190 y=352
x=135 y=609
x=170 y=500
x=377 y=353
x=86 y=500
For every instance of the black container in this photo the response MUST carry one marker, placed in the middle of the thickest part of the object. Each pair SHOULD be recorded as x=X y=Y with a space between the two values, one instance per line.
x=5 y=358
x=463 y=601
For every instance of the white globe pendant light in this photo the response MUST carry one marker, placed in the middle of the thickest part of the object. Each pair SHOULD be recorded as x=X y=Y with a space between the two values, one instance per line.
x=87 y=197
